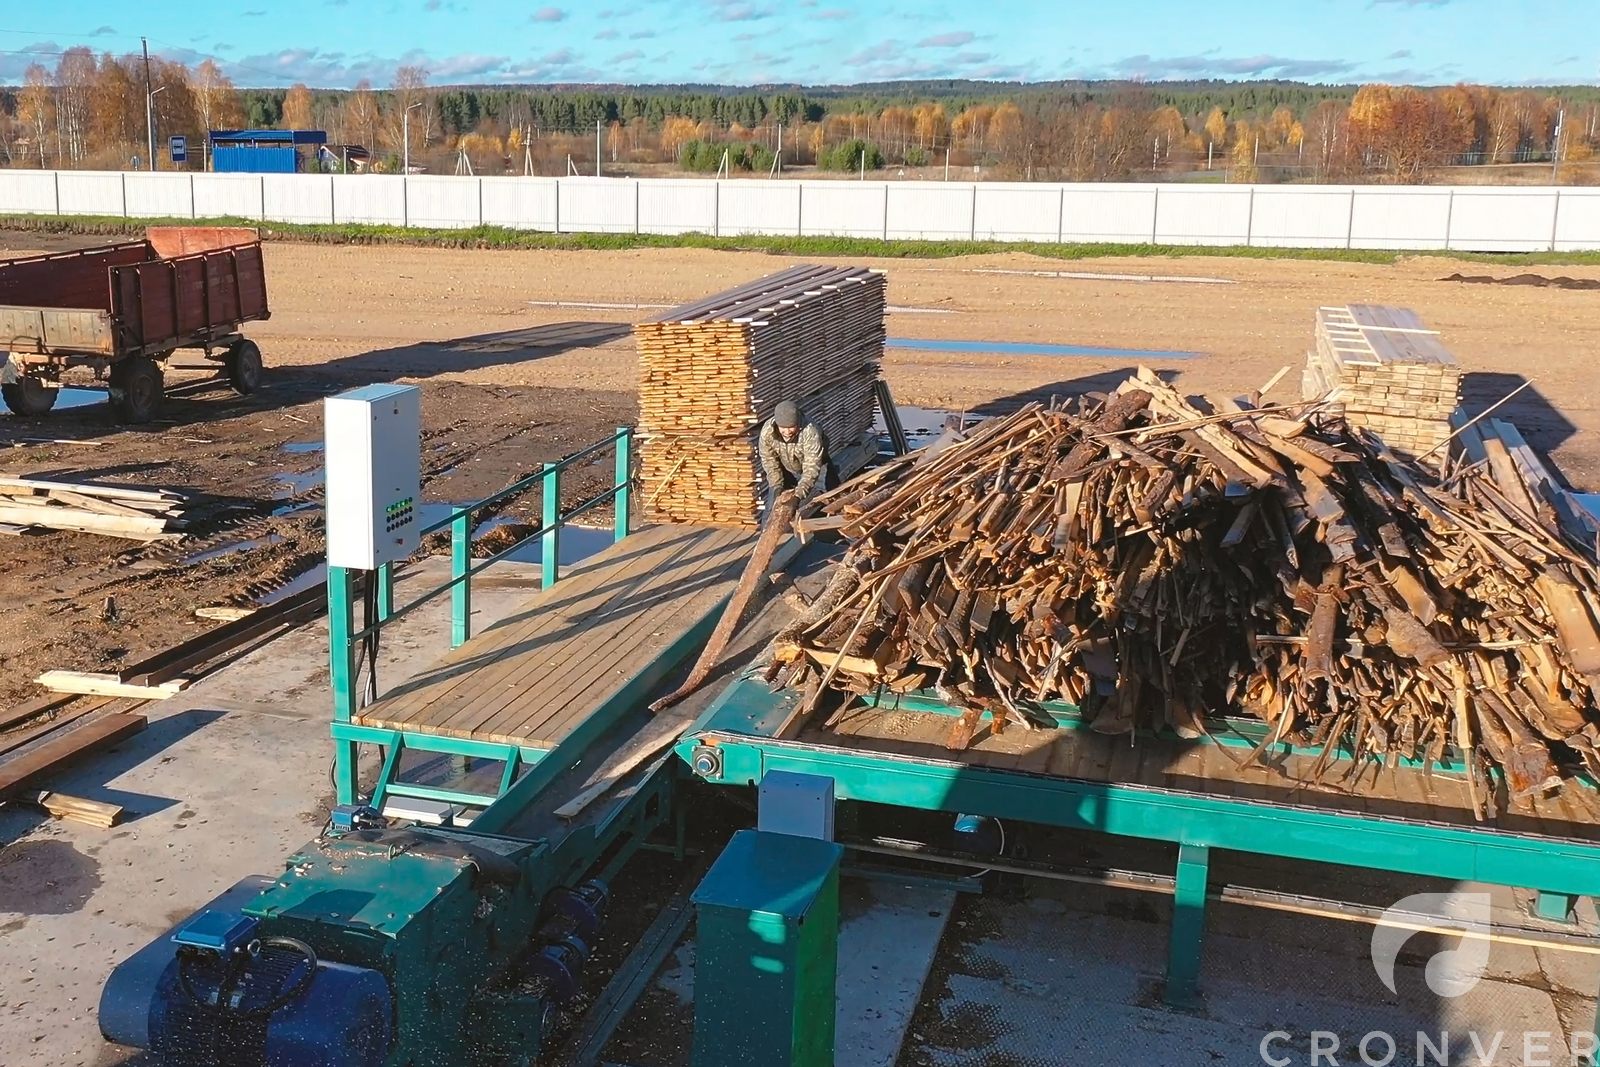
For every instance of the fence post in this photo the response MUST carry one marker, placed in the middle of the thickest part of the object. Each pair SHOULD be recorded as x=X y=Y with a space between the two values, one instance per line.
x=263 y=198
x=636 y=224
x=405 y=200
x=1155 y=215
x=194 y=208
x=885 y=211
x=461 y=592
x=622 y=503
x=1555 y=221
x=799 y=209
x=56 y=174
x=550 y=519
x=558 y=205
x=480 y=202
x=1061 y=216
x=1250 y=218
x=1350 y=222
x=1449 y=216
x=973 y=233
x=341 y=676
x=125 y=194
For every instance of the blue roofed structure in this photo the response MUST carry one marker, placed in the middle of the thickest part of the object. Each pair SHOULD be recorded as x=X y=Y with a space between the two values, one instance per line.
x=265 y=151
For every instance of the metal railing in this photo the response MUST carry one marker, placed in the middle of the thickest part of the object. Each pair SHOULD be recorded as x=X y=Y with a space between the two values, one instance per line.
x=345 y=641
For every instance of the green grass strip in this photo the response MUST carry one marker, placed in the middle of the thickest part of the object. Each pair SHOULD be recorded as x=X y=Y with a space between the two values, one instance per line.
x=855 y=247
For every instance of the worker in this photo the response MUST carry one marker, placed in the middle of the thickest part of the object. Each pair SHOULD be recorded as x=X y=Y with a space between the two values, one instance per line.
x=794 y=454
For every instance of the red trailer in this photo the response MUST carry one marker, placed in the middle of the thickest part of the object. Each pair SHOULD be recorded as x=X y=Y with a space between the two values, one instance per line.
x=124 y=309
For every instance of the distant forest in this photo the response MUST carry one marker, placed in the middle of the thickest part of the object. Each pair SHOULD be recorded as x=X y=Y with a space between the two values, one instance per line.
x=88 y=112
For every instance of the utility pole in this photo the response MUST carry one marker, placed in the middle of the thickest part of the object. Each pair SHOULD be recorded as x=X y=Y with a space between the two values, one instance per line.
x=780 y=148
x=149 y=106
x=1555 y=146
x=405 y=137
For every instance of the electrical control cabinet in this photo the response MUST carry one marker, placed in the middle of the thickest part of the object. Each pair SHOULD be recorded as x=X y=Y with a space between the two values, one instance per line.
x=373 y=451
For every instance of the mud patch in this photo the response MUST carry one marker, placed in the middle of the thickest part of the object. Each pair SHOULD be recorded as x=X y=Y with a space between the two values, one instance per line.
x=46 y=876
x=1561 y=281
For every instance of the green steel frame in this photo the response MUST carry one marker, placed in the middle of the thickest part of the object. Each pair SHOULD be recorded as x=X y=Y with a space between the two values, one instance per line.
x=527 y=768
x=734 y=744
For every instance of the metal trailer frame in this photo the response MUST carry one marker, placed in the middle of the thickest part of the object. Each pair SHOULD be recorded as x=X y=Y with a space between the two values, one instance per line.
x=527 y=769
x=735 y=743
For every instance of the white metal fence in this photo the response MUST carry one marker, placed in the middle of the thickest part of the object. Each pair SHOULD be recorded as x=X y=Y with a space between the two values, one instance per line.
x=1467 y=218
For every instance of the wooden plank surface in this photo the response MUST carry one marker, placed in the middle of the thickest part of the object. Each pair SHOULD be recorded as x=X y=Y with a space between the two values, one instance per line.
x=535 y=679
x=50 y=755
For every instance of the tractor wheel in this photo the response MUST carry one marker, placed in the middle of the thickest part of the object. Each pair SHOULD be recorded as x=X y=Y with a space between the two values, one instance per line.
x=244 y=367
x=137 y=388
x=29 y=396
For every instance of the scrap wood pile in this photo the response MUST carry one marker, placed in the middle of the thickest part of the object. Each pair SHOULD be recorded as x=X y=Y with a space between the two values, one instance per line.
x=711 y=372
x=1387 y=372
x=134 y=514
x=1261 y=558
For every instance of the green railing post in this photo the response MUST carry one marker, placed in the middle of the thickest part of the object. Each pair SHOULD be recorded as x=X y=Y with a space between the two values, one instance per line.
x=461 y=592
x=342 y=678
x=621 y=504
x=550 y=519
x=1188 y=926
x=385 y=591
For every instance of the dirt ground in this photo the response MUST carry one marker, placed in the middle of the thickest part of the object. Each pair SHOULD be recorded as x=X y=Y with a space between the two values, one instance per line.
x=510 y=381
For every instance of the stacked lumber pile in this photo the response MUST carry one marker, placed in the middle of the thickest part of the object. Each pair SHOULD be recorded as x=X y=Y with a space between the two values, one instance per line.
x=83 y=507
x=1390 y=373
x=1150 y=562
x=713 y=371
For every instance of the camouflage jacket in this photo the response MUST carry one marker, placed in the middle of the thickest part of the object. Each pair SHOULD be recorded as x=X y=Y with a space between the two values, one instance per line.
x=804 y=459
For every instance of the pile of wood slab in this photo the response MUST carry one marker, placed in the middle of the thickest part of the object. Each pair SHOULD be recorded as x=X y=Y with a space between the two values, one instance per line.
x=1389 y=372
x=712 y=372
x=1155 y=563
x=85 y=507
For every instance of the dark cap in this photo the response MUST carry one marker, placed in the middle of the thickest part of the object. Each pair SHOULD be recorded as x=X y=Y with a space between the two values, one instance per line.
x=786 y=415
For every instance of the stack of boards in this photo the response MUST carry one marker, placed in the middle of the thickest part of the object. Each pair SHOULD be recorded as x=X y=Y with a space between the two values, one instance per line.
x=1388 y=371
x=713 y=371
x=84 y=507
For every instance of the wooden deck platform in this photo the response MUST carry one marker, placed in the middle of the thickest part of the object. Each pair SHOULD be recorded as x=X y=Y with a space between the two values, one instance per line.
x=1208 y=769
x=538 y=676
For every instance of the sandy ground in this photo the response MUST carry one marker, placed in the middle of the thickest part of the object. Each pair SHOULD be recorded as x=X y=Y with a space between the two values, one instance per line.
x=510 y=382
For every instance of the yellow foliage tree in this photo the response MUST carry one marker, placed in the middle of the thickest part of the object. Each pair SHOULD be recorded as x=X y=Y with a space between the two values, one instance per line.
x=297 y=108
x=1216 y=127
x=1243 y=158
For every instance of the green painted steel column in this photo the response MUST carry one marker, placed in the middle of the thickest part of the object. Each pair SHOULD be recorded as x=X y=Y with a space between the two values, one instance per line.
x=385 y=579
x=550 y=519
x=766 y=953
x=342 y=676
x=461 y=592
x=622 y=503
x=1188 y=926
x=1556 y=907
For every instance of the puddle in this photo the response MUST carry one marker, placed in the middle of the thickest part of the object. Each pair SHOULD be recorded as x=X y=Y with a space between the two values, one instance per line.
x=301 y=448
x=297 y=483
x=72 y=397
x=229 y=549
x=296 y=509
x=577 y=543
x=1028 y=348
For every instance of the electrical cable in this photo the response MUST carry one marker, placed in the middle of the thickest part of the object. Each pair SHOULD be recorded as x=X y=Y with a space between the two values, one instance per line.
x=278 y=1000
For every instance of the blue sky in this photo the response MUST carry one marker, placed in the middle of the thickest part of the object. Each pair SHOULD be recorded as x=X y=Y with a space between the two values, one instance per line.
x=335 y=43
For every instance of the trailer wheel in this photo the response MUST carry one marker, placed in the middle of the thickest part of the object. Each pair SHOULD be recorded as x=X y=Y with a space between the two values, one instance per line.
x=244 y=367
x=136 y=389
x=29 y=396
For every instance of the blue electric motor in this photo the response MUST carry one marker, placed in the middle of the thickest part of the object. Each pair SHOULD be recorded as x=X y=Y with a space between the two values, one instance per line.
x=217 y=991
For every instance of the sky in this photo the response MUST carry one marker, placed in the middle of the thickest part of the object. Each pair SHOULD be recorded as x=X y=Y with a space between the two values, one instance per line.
x=335 y=43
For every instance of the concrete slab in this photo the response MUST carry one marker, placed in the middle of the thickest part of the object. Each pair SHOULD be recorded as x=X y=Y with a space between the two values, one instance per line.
x=1072 y=975
x=230 y=777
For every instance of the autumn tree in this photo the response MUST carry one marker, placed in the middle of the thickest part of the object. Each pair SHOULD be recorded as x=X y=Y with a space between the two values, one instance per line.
x=1124 y=143
x=74 y=91
x=408 y=90
x=616 y=140
x=116 y=112
x=1242 y=160
x=1216 y=127
x=1280 y=127
x=931 y=124
x=297 y=108
x=1005 y=130
x=1167 y=127
x=216 y=101
x=361 y=114
x=36 y=108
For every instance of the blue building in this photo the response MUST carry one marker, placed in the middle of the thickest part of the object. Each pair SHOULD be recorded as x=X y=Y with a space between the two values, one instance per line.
x=265 y=151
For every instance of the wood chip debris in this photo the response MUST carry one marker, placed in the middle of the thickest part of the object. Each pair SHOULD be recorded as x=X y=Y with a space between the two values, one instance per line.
x=1153 y=562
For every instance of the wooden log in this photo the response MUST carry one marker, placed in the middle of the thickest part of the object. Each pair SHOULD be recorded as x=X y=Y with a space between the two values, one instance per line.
x=54 y=754
x=107 y=685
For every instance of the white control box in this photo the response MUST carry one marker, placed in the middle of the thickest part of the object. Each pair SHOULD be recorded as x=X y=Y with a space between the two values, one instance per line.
x=373 y=451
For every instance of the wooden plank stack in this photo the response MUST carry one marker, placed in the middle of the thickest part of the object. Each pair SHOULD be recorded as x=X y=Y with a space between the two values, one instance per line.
x=711 y=372
x=1153 y=563
x=1389 y=372
x=82 y=507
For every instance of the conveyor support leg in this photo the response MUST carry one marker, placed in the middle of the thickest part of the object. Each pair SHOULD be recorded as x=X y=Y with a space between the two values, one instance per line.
x=1556 y=907
x=1188 y=926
